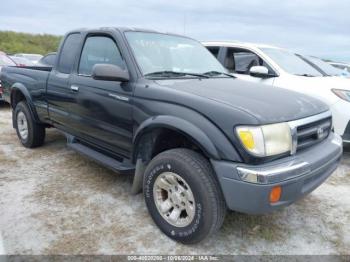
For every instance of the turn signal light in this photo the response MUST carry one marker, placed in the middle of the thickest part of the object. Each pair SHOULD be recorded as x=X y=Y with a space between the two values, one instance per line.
x=247 y=139
x=275 y=194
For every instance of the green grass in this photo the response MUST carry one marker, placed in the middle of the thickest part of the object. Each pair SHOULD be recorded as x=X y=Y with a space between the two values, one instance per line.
x=14 y=42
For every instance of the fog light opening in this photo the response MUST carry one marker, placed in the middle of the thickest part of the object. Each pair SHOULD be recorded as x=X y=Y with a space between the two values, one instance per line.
x=275 y=194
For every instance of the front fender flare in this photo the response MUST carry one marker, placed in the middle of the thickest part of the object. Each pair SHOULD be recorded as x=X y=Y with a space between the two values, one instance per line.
x=188 y=129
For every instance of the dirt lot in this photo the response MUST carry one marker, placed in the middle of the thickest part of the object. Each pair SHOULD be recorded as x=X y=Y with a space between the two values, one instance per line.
x=54 y=201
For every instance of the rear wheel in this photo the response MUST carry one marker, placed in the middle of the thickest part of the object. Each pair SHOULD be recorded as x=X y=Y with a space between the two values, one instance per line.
x=30 y=133
x=183 y=196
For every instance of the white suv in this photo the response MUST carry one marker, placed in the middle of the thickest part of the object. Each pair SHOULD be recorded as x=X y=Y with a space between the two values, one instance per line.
x=281 y=68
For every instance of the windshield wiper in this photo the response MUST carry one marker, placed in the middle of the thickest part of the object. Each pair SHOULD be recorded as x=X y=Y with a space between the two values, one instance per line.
x=216 y=73
x=168 y=73
x=307 y=75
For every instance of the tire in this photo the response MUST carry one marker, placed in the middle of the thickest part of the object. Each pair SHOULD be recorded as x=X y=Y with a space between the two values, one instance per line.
x=192 y=171
x=35 y=135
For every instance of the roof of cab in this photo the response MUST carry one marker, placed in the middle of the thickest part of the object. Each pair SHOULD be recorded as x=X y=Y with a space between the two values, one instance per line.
x=238 y=43
x=122 y=29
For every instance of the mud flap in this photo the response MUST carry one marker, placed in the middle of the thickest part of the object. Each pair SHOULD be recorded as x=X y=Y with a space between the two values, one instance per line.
x=138 y=177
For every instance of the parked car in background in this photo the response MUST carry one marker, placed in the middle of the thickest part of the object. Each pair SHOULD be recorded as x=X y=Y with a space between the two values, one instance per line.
x=34 y=58
x=343 y=66
x=323 y=67
x=197 y=139
x=48 y=60
x=278 y=67
x=4 y=61
x=21 y=61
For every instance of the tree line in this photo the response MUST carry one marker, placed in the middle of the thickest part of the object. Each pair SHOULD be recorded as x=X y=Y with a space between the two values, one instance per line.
x=14 y=42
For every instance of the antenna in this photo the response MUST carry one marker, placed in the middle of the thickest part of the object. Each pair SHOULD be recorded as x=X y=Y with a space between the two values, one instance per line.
x=184 y=32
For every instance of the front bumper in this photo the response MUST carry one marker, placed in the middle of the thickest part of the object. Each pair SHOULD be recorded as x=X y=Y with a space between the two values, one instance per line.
x=297 y=175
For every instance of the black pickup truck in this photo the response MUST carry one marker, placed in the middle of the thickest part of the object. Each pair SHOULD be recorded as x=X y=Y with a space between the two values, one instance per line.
x=161 y=107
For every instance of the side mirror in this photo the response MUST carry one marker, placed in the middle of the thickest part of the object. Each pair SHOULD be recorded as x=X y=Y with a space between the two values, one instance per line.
x=259 y=71
x=109 y=72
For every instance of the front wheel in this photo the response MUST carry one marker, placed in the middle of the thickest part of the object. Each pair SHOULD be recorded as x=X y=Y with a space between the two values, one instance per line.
x=183 y=196
x=30 y=133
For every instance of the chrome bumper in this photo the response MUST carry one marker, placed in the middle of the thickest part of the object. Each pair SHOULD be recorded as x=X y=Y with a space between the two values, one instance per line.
x=291 y=169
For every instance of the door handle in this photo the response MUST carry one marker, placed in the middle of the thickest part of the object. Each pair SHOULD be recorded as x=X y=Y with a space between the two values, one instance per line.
x=74 y=88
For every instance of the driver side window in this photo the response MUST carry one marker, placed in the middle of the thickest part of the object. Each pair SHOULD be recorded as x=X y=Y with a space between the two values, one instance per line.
x=240 y=61
x=99 y=50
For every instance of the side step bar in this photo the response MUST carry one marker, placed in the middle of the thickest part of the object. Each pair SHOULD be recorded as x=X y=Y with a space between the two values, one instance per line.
x=119 y=167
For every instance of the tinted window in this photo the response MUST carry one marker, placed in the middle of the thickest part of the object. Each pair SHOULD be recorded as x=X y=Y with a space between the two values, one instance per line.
x=241 y=61
x=68 y=52
x=48 y=60
x=244 y=61
x=214 y=50
x=99 y=50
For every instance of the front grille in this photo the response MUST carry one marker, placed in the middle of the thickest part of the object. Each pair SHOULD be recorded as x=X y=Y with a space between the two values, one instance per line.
x=313 y=133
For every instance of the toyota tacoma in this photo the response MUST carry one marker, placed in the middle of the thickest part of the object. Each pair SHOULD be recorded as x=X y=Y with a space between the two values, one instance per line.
x=160 y=107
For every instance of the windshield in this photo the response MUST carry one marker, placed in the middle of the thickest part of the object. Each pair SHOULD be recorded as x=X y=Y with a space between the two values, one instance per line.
x=341 y=66
x=325 y=67
x=290 y=62
x=155 y=52
x=33 y=57
x=22 y=61
x=6 y=61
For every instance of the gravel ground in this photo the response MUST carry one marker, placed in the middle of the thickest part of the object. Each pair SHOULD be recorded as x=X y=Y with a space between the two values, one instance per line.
x=55 y=201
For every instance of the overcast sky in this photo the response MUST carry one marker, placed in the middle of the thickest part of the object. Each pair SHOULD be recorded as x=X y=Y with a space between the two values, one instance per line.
x=313 y=27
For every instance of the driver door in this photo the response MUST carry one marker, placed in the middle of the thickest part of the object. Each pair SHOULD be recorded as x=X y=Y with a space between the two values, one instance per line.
x=103 y=109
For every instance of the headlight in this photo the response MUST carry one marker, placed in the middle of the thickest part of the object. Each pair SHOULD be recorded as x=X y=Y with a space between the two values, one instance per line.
x=343 y=94
x=267 y=140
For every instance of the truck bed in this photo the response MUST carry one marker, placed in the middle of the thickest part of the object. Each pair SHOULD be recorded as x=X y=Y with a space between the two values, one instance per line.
x=33 y=79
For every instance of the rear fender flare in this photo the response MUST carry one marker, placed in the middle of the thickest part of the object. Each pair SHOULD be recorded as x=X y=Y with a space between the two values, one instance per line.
x=17 y=87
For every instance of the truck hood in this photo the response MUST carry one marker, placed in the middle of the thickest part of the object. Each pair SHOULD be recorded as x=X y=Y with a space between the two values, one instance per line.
x=266 y=104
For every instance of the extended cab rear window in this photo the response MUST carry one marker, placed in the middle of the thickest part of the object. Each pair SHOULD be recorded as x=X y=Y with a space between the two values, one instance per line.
x=49 y=59
x=68 y=53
